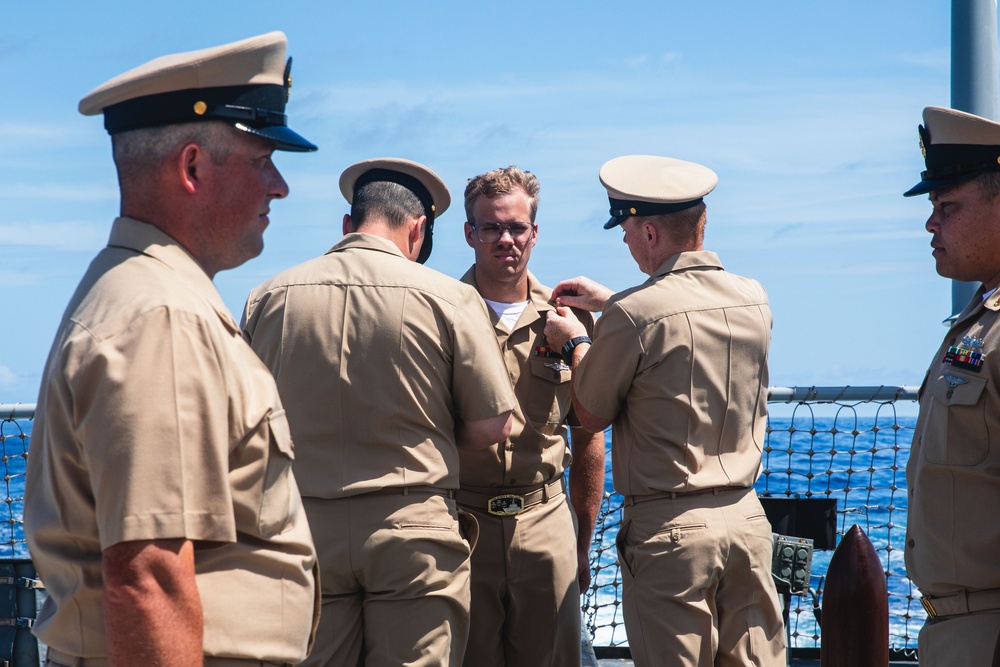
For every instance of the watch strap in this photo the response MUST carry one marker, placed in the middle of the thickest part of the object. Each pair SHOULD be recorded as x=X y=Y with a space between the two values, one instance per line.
x=570 y=345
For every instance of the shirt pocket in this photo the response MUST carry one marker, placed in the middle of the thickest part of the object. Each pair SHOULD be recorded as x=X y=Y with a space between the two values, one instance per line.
x=548 y=397
x=276 y=506
x=956 y=433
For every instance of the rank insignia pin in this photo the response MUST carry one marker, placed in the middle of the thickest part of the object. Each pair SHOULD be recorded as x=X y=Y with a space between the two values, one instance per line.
x=972 y=342
x=557 y=366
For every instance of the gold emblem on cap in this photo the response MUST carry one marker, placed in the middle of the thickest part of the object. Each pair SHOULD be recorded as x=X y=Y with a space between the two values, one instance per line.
x=433 y=208
x=632 y=211
x=200 y=108
x=288 y=79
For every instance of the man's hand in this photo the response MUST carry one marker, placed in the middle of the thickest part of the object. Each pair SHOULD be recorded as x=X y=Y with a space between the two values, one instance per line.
x=582 y=293
x=583 y=569
x=560 y=326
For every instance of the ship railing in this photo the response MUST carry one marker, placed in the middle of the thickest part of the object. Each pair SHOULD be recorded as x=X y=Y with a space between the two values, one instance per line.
x=847 y=443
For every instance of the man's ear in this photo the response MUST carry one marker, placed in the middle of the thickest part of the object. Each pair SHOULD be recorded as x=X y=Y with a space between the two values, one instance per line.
x=348 y=224
x=189 y=167
x=651 y=232
x=469 y=231
x=417 y=231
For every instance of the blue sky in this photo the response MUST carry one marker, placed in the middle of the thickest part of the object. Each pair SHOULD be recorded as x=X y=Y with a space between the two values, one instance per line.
x=807 y=111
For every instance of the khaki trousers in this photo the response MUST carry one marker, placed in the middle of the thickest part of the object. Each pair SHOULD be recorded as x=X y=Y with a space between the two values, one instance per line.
x=395 y=579
x=696 y=582
x=525 y=592
x=966 y=640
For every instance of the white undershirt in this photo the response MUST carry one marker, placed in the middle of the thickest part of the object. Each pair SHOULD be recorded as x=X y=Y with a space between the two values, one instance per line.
x=508 y=313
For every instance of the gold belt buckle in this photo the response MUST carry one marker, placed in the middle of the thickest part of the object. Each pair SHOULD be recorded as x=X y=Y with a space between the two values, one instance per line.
x=510 y=504
x=928 y=607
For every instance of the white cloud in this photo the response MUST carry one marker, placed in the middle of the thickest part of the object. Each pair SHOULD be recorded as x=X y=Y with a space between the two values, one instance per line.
x=937 y=59
x=65 y=235
x=7 y=377
x=59 y=191
x=636 y=61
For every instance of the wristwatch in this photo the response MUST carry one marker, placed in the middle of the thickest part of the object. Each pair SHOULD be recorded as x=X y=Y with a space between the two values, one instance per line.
x=567 y=349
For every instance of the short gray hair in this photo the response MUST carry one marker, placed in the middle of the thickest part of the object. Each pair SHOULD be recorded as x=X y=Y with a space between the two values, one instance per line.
x=684 y=227
x=137 y=151
x=385 y=199
x=989 y=184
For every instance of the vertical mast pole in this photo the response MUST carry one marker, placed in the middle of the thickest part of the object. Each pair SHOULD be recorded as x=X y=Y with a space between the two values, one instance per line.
x=974 y=86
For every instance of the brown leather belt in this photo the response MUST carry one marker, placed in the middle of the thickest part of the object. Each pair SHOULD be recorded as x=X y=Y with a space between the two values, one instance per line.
x=715 y=490
x=515 y=502
x=964 y=602
x=54 y=657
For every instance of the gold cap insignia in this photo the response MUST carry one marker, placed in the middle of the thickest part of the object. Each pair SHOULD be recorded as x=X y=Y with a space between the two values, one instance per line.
x=200 y=108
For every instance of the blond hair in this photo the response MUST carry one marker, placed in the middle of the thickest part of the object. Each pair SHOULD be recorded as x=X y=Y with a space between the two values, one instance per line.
x=498 y=183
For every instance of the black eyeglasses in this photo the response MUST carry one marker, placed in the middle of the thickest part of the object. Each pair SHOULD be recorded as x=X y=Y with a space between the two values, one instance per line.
x=490 y=232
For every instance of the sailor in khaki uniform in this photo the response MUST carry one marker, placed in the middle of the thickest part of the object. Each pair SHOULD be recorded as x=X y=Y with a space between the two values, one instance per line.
x=953 y=473
x=678 y=365
x=531 y=561
x=160 y=507
x=387 y=369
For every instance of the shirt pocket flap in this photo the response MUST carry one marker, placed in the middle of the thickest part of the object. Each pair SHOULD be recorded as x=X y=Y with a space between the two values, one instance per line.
x=550 y=369
x=281 y=434
x=954 y=389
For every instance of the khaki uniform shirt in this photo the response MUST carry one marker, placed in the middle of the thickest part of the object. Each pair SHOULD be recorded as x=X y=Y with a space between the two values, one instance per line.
x=680 y=364
x=156 y=421
x=536 y=450
x=377 y=359
x=953 y=473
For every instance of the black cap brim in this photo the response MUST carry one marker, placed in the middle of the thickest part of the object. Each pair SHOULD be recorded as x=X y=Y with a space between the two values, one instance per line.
x=614 y=221
x=428 y=244
x=930 y=184
x=284 y=138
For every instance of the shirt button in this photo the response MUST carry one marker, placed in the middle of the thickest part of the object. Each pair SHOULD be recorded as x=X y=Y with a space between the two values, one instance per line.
x=910 y=543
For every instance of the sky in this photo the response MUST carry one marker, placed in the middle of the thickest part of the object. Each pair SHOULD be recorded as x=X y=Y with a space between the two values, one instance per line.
x=807 y=111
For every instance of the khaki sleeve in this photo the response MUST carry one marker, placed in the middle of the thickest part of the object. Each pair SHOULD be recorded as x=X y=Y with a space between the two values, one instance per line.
x=587 y=318
x=481 y=385
x=604 y=375
x=153 y=424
